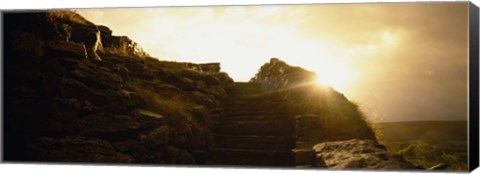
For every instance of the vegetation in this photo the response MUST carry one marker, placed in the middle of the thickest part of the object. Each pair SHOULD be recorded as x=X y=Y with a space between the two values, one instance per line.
x=66 y=15
x=427 y=143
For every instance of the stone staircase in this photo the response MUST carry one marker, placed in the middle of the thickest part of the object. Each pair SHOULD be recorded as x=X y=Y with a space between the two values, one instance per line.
x=256 y=130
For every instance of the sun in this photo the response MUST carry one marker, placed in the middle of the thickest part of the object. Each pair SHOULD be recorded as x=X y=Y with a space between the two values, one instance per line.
x=336 y=77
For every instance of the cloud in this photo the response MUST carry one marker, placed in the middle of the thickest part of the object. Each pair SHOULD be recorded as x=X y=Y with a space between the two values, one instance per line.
x=407 y=61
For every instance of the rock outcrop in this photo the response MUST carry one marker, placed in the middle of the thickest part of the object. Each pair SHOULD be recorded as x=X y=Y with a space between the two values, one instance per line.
x=357 y=154
x=75 y=93
x=321 y=113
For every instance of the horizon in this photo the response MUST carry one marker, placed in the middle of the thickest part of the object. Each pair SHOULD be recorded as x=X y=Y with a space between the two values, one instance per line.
x=411 y=66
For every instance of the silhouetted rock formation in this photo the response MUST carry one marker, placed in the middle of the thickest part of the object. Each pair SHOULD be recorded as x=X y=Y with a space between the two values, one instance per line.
x=321 y=113
x=75 y=93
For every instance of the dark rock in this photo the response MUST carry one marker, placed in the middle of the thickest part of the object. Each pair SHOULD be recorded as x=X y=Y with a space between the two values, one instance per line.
x=112 y=127
x=178 y=156
x=210 y=67
x=148 y=119
x=70 y=88
x=63 y=117
x=105 y=34
x=187 y=84
x=89 y=35
x=25 y=44
x=75 y=149
x=158 y=136
x=200 y=84
x=70 y=49
x=211 y=80
x=306 y=157
x=357 y=154
x=98 y=77
x=202 y=98
x=66 y=103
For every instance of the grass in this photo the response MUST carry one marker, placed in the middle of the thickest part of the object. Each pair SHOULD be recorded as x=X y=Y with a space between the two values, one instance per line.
x=428 y=143
x=169 y=104
x=67 y=15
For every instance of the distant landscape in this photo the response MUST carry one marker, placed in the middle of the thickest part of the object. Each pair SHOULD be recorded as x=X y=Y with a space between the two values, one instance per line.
x=427 y=143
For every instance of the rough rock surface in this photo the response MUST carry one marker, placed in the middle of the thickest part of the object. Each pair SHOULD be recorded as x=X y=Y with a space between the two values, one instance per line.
x=357 y=154
x=75 y=93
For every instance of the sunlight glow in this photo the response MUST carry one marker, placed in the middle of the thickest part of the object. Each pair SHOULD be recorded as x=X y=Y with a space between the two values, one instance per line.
x=338 y=77
x=388 y=38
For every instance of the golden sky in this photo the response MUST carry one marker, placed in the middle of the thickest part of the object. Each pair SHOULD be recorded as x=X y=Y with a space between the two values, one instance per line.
x=399 y=61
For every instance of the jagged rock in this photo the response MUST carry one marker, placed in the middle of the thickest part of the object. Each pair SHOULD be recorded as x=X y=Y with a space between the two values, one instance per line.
x=99 y=77
x=108 y=126
x=75 y=149
x=277 y=75
x=70 y=49
x=89 y=35
x=106 y=34
x=358 y=154
x=210 y=67
x=123 y=45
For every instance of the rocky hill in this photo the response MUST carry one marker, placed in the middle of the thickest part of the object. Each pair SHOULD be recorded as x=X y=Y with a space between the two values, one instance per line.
x=321 y=113
x=76 y=93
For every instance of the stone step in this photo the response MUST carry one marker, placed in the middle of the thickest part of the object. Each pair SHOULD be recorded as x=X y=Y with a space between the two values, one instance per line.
x=248 y=157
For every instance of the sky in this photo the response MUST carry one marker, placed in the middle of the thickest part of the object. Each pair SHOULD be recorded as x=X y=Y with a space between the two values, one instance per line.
x=398 y=61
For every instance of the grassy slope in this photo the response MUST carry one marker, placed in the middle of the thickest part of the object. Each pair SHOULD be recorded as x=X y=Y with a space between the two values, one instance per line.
x=427 y=142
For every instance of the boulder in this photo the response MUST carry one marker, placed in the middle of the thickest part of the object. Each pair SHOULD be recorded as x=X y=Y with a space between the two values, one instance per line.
x=358 y=154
